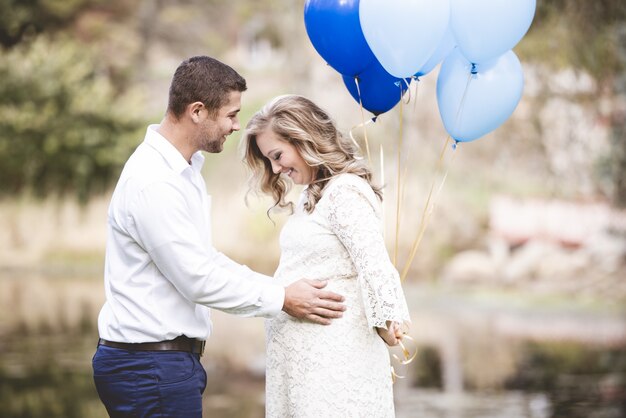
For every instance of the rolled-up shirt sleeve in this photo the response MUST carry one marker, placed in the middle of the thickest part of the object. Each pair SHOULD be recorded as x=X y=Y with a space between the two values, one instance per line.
x=162 y=222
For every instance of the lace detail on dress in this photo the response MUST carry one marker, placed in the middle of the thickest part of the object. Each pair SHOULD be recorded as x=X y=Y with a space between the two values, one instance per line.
x=341 y=370
x=353 y=215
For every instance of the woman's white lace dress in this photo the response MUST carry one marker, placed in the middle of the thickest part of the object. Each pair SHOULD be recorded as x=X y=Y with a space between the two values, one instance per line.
x=341 y=370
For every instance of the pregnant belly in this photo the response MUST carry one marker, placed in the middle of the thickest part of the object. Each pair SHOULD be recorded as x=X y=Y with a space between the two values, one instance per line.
x=354 y=315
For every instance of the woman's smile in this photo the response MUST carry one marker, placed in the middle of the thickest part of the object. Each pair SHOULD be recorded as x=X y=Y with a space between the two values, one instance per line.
x=284 y=157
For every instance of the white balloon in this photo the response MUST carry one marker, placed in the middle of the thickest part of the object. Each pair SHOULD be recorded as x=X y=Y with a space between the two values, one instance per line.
x=403 y=34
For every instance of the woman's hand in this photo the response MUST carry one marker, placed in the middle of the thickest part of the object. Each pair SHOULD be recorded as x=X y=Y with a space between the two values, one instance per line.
x=392 y=334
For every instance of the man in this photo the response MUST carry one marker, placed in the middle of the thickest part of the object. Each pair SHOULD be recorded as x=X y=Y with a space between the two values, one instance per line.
x=161 y=271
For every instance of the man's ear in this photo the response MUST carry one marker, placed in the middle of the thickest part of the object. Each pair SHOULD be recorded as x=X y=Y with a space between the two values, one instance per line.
x=194 y=109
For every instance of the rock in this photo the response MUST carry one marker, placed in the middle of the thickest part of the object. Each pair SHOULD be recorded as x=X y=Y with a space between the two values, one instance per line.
x=471 y=267
x=525 y=260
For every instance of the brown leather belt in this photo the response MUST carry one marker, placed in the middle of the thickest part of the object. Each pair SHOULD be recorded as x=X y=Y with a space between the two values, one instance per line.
x=182 y=343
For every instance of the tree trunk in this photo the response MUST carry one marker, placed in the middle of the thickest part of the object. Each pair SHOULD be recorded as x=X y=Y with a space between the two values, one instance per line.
x=618 y=123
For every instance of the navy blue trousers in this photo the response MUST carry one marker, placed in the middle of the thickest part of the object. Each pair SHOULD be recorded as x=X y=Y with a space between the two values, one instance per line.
x=149 y=384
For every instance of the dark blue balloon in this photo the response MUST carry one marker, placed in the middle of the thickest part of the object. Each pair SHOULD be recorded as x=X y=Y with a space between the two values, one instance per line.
x=380 y=91
x=334 y=29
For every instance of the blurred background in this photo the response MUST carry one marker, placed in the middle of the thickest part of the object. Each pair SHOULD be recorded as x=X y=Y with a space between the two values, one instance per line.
x=517 y=290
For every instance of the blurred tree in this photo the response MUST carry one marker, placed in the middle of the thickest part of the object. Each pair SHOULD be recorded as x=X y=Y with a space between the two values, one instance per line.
x=590 y=35
x=67 y=66
x=20 y=19
x=63 y=127
x=618 y=122
x=65 y=122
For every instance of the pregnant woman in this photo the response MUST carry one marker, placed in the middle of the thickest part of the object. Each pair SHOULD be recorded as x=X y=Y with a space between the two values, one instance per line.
x=334 y=234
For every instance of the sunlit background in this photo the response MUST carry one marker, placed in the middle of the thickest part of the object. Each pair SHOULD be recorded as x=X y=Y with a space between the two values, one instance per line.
x=517 y=289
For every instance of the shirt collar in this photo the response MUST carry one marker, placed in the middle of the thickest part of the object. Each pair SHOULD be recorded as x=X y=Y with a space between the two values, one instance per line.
x=169 y=152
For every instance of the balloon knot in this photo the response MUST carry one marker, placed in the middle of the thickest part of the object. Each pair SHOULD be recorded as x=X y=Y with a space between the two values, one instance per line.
x=474 y=69
x=374 y=118
x=454 y=145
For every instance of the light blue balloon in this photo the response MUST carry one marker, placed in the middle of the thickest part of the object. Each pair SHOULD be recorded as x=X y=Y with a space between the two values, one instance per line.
x=485 y=29
x=403 y=34
x=446 y=45
x=476 y=99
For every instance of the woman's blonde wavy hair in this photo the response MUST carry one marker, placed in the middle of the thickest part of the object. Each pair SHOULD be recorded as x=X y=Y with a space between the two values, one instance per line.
x=299 y=121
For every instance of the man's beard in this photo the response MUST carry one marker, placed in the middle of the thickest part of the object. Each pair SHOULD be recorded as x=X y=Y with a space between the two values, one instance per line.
x=213 y=146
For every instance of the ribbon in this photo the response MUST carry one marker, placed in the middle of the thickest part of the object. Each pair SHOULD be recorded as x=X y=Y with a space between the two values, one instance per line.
x=407 y=357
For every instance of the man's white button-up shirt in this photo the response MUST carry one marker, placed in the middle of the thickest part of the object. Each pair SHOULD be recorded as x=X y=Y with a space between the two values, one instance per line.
x=161 y=271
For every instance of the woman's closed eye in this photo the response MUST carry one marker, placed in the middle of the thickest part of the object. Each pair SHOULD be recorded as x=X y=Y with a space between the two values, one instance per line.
x=277 y=156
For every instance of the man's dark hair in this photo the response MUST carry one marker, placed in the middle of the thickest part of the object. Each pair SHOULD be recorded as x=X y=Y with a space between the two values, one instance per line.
x=203 y=79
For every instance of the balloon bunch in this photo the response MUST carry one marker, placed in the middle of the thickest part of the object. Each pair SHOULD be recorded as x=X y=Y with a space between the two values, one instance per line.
x=379 y=47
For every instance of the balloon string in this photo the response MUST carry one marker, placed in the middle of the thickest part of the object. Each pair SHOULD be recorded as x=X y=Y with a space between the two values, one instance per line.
x=363 y=124
x=409 y=151
x=410 y=148
x=382 y=181
x=408 y=89
x=417 y=85
x=405 y=164
x=459 y=111
x=367 y=146
x=399 y=184
x=350 y=134
x=428 y=208
x=406 y=353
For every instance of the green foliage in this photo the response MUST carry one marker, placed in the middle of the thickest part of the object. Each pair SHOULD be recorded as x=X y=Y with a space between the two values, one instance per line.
x=577 y=33
x=47 y=390
x=589 y=36
x=20 y=18
x=24 y=19
x=63 y=128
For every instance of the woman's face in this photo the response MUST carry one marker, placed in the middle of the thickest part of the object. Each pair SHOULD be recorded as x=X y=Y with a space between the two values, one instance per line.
x=284 y=157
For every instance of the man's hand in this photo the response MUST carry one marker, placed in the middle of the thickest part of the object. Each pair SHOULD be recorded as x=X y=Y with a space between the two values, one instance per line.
x=305 y=300
x=391 y=335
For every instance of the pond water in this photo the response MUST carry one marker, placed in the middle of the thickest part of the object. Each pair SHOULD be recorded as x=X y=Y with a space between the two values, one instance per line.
x=476 y=359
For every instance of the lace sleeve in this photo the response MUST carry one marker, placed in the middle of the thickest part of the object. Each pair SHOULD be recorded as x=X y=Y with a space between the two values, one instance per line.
x=354 y=219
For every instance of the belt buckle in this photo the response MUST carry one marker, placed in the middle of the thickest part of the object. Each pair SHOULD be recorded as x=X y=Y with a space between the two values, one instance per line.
x=202 y=344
